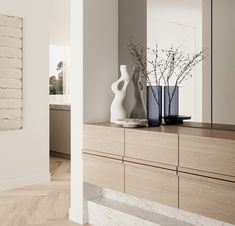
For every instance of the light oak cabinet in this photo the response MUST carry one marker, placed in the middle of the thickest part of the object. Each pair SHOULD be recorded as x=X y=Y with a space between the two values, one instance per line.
x=207 y=154
x=193 y=169
x=152 y=146
x=159 y=185
x=105 y=139
x=207 y=197
x=104 y=172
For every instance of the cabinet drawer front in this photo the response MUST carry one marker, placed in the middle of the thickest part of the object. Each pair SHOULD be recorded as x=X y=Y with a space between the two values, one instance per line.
x=207 y=154
x=209 y=197
x=104 y=139
x=104 y=172
x=151 y=183
x=152 y=146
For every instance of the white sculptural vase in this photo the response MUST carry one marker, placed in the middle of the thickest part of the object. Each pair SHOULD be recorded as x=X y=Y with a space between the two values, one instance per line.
x=119 y=89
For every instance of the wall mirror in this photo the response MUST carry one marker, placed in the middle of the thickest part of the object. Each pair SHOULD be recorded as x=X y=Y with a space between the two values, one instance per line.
x=191 y=25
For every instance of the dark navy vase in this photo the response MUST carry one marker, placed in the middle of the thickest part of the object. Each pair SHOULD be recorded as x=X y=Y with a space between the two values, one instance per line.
x=154 y=105
x=171 y=104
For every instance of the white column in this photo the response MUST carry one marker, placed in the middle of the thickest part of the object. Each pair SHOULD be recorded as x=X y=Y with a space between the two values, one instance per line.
x=94 y=67
x=77 y=200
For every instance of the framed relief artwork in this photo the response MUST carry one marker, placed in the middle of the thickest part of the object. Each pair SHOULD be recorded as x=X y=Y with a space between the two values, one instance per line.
x=11 y=72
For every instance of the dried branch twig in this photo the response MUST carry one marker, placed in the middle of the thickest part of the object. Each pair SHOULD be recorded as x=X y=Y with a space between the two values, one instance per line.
x=166 y=65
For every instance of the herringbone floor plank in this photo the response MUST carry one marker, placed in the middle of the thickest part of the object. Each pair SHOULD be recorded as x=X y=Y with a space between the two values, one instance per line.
x=39 y=205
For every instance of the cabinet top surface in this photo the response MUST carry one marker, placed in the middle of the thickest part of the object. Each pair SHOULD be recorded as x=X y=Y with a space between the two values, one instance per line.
x=176 y=129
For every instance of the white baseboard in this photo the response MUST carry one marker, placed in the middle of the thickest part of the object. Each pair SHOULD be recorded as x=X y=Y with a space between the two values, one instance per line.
x=75 y=217
x=23 y=182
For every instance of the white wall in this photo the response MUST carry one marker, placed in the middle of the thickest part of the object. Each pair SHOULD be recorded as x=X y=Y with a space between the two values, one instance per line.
x=24 y=154
x=94 y=64
x=60 y=22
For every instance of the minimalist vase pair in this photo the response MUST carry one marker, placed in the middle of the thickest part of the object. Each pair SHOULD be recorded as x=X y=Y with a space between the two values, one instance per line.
x=154 y=105
x=154 y=100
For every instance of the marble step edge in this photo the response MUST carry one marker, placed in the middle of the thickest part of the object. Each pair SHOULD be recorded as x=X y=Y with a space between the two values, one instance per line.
x=108 y=212
x=178 y=214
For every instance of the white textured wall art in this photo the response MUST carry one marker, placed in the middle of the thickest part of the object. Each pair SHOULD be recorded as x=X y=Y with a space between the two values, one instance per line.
x=11 y=72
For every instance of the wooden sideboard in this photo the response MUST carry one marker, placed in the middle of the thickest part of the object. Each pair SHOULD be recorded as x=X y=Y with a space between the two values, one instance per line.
x=188 y=168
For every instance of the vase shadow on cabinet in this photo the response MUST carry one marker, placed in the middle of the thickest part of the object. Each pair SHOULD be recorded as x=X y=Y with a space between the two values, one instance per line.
x=139 y=110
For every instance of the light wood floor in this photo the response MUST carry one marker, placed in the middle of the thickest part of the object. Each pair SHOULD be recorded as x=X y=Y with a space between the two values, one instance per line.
x=39 y=205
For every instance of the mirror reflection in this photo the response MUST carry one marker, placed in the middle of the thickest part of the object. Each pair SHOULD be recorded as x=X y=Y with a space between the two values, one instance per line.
x=181 y=29
x=178 y=24
x=189 y=26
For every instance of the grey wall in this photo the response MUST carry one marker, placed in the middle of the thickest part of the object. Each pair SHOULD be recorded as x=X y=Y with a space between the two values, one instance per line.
x=223 y=62
x=132 y=25
x=206 y=76
x=100 y=57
